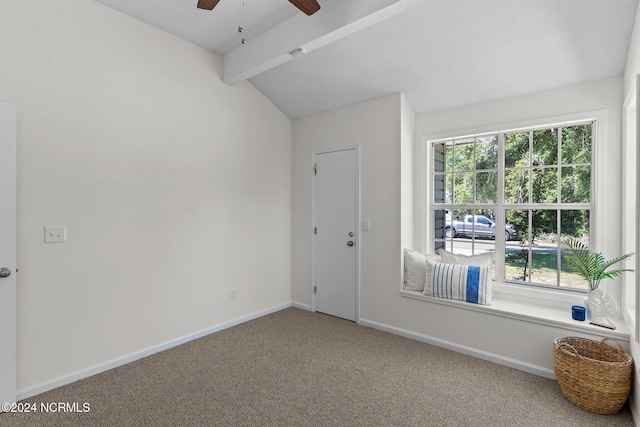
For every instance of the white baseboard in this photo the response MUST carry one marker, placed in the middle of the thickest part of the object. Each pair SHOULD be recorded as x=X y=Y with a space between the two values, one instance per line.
x=301 y=306
x=45 y=386
x=480 y=354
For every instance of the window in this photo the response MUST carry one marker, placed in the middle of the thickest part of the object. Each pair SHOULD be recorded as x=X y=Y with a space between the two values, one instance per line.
x=518 y=194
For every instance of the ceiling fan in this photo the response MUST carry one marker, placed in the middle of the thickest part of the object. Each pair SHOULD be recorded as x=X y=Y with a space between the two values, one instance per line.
x=307 y=6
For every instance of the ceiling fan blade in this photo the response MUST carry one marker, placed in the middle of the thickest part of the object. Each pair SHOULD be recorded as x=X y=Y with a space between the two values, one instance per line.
x=207 y=4
x=307 y=6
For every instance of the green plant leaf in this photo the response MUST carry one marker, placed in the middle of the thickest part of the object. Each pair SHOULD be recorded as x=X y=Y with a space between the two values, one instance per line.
x=591 y=265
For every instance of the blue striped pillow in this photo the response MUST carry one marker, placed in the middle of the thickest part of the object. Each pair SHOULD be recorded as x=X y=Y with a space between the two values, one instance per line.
x=458 y=282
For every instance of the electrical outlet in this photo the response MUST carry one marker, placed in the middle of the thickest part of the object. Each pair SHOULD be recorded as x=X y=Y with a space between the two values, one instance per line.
x=55 y=234
x=232 y=294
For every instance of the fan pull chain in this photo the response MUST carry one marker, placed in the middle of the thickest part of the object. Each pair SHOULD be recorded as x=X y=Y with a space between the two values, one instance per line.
x=241 y=26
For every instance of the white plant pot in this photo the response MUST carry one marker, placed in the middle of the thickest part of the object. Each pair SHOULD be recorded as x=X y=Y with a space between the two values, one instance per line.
x=600 y=307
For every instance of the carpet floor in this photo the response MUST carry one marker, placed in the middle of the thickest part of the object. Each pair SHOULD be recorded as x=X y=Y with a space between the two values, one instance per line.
x=296 y=368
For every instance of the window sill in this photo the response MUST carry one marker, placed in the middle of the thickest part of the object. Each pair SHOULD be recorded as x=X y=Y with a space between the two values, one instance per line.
x=549 y=308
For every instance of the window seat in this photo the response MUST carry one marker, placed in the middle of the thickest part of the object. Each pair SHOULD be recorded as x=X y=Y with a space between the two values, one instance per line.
x=545 y=307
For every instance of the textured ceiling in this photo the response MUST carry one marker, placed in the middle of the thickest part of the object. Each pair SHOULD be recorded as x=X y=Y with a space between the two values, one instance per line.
x=215 y=30
x=439 y=53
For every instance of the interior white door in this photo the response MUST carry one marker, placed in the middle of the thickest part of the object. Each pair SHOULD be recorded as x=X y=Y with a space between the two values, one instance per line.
x=8 y=116
x=336 y=233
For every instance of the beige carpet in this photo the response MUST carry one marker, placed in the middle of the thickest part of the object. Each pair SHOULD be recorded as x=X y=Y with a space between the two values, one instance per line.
x=295 y=368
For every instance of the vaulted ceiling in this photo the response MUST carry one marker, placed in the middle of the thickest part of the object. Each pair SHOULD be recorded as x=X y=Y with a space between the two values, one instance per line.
x=439 y=53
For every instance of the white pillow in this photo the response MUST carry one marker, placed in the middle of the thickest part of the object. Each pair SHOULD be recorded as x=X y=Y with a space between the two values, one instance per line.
x=469 y=283
x=415 y=269
x=482 y=260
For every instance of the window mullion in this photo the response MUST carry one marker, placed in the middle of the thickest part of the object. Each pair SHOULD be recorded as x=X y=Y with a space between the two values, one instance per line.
x=530 y=191
x=559 y=167
x=529 y=246
x=530 y=213
x=559 y=251
x=500 y=212
x=594 y=241
x=558 y=212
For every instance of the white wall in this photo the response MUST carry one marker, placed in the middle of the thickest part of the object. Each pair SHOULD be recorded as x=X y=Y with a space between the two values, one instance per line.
x=173 y=186
x=376 y=125
x=632 y=70
x=633 y=58
x=407 y=173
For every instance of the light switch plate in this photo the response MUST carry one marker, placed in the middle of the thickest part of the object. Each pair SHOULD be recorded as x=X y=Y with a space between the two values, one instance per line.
x=364 y=225
x=55 y=234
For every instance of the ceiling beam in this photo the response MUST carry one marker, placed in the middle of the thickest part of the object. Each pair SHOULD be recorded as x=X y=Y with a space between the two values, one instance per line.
x=335 y=20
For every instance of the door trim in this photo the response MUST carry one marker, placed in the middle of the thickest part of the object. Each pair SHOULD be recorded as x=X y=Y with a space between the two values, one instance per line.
x=8 y=286
x=314 y=155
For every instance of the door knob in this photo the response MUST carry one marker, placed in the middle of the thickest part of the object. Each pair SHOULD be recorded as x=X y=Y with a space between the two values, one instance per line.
x=350 y=243
x=5 y=272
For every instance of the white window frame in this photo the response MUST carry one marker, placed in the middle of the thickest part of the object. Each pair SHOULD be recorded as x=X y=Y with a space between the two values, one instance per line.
x=630 y=205
x=424 y=234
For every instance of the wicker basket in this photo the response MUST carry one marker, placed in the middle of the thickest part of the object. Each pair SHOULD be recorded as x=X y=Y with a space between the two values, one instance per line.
x=592 y=375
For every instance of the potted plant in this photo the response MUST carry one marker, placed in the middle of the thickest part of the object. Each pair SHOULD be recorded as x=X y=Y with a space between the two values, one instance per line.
x=594 y=268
